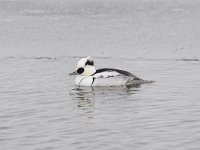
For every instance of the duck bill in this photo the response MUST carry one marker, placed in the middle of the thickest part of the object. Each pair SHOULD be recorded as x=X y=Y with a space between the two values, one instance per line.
x=73 y=73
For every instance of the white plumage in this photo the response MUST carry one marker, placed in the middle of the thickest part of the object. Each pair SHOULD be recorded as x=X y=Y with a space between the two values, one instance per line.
x=87 y=75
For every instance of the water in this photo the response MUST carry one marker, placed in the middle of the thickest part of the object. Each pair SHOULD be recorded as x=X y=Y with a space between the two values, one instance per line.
x=103 y=28
x=42 y=109
x=40 y=44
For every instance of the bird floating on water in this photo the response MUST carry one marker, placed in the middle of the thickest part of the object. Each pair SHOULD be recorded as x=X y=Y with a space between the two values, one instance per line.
x=87 y=75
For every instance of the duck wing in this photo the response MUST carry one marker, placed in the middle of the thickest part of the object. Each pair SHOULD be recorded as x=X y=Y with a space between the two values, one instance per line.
x=115 y=72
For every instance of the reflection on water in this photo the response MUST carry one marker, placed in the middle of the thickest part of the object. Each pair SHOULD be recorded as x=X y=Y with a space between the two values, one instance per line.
x=85 y=96
x=42 y=109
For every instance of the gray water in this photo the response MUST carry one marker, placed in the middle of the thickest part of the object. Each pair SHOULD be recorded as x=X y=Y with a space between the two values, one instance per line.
x=40 y=44
x=42 y=109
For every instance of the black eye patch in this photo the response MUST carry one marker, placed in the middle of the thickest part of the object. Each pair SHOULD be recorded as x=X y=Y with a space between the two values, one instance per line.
x=89 y=62
x=80 y=70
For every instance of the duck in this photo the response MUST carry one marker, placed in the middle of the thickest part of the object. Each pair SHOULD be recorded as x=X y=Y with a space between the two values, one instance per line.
x=87 y=75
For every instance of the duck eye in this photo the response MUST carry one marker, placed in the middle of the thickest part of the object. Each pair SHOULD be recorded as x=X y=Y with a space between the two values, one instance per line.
x=89 y=62
x=80 y=70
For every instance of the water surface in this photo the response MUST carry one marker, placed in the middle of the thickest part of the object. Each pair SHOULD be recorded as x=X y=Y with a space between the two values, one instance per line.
x=41 y=108
x=40 y=44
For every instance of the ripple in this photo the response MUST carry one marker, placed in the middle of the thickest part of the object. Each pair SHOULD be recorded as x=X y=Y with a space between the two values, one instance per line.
x=41 y=108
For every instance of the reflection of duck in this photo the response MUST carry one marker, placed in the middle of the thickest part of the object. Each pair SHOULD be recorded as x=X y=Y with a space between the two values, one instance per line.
x=87 y=75
x=85 y=96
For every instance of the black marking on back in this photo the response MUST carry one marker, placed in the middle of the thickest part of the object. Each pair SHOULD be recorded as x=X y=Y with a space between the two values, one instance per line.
x=89 y=62
x=125 y=73
x=109 y=76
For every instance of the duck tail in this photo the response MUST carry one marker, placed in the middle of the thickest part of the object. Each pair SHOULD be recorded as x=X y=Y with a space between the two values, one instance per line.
x=147 y=81
x=138 y=82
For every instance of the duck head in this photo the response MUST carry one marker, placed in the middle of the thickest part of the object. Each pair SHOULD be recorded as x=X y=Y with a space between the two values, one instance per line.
x=85 y=67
